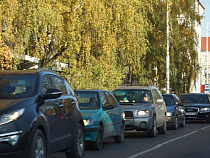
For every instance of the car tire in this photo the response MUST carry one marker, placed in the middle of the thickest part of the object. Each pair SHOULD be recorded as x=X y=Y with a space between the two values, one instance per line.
x=175 y=124
x=183 y=123
x=163 y=128
x=153 y=131
x=37 y=147
x=120 y=138
x=78 y=148
x=98 y=144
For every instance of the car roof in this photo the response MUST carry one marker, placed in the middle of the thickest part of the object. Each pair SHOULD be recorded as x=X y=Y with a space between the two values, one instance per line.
x=89 y=90
x=167 y=94
x=25 y=72
x=135 y=87
x=195 y=94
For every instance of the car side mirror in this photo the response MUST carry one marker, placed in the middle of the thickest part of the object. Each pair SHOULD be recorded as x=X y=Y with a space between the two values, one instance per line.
x=109 y=107
x=159 y=100
x=52 y=93
x=180 y=104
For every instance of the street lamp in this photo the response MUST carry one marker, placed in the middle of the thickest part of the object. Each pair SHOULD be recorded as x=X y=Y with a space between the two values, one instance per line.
x=167 y=54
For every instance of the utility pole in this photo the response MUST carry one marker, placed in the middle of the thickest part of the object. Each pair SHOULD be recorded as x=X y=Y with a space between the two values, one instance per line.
x=167 y=54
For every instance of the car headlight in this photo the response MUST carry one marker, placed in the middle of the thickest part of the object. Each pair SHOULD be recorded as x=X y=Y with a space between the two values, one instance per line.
x=6 y=118
x=88 y=122
x=169 y=113
x=143 y=113
x=205 y=109
x=123 y=115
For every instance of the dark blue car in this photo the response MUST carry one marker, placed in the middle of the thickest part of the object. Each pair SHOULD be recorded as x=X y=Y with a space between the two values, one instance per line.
x=197 y=106
x=39 y=114
x=103 y=116
x=175 y=111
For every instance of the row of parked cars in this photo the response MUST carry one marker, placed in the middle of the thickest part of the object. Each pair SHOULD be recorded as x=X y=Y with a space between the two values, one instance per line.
x=40 y=114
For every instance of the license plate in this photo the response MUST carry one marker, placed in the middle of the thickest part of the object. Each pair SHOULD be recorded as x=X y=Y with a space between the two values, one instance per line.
x=190 y=113
x=127 y=122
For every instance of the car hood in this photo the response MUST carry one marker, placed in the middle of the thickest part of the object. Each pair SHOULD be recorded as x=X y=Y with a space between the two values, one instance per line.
x=170 y=108
x=89 y=113
x=15 y=103
x=135 y=106
x=195 y=105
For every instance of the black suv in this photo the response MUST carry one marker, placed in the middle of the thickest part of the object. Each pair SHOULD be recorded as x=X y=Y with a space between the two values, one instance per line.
x=38 y=115
x=144 y=108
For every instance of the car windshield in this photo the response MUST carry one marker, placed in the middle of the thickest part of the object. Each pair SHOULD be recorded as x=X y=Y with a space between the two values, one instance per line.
x=194 y=99
x=169 y=100
x=133 y=96
x=88 y=100
x=13 y=87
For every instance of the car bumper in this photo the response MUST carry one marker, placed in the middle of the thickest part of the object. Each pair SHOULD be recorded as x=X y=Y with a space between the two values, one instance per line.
x=13 y=141
x=91 y=133
x=198 y=116
x=170 y=121
x=139 y=123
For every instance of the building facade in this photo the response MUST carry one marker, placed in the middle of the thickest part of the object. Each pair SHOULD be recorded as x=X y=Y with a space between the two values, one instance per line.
x=196 y=86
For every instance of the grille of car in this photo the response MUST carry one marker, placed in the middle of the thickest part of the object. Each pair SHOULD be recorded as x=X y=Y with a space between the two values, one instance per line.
x=191 y=112
x=191 y=109
x=128 y=114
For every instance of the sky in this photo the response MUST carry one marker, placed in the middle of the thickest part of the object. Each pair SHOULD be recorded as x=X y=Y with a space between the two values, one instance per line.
x=206 y=18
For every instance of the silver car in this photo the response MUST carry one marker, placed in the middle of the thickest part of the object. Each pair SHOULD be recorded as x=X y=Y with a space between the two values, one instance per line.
x=144 y=107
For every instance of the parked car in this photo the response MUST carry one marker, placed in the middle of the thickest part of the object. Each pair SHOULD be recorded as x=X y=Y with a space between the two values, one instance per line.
x=103 y=116
x=144 y=108
x=197 y=106
x=39 y=114
x=175 y=111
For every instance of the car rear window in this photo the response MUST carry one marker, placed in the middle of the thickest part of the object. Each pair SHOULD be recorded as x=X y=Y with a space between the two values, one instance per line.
x=17 y=86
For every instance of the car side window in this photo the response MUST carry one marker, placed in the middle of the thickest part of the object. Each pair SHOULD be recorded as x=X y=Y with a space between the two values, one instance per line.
x=208 y=98
x=156 y=95
x=104 y=100
x=111 y=100
x=46 y=83
x=59 y=84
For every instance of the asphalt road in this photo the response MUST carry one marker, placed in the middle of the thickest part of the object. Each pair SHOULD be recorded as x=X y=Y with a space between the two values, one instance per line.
x=191 y=141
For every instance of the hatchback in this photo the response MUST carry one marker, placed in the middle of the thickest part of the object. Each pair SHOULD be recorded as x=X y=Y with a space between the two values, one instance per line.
x=39 y=114
x=103 y=116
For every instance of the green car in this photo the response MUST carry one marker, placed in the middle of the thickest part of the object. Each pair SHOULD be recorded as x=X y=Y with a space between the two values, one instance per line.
x=103 y=116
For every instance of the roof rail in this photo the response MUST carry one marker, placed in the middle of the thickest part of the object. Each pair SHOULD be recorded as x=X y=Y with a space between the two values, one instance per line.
x=151 y=85
x=46 y=70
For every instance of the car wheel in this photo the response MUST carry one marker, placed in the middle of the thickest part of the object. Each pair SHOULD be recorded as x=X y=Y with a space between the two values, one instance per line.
x=175 y=124
x=183 y=123
x=163 y=128
x=98 y=144
x=120 y=138
x=153 y=131
x=78 y=148
x=37 y=148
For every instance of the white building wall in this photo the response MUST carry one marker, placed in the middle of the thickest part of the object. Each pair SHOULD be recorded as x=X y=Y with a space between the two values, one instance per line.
x=195 y=86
